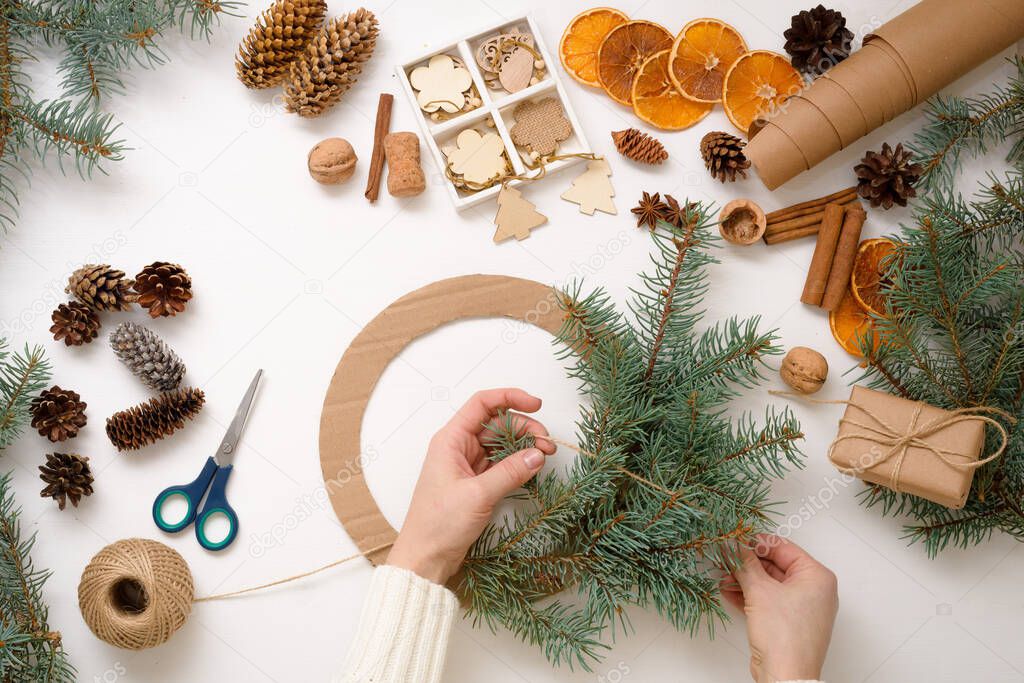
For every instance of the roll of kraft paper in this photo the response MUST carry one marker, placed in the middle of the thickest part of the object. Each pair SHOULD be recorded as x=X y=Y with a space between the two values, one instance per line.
x=904 y=62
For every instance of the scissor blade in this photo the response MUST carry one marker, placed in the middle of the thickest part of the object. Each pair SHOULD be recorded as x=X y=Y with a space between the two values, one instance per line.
x=226 y=452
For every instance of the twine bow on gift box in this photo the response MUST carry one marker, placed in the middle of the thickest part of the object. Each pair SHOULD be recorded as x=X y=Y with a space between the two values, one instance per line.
x=899 y=442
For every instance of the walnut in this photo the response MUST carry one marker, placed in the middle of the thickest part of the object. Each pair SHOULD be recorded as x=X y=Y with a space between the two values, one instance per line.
x=332 y=161
x=742 y=222
x=804 y=369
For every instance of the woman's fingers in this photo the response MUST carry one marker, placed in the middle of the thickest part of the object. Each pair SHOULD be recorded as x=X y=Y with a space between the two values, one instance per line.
x=521 y=424
x=483 y=405
x=784 y=554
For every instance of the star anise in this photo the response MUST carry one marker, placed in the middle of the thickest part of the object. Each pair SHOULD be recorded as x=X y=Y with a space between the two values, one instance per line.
x=676 y=215
x=649 y=211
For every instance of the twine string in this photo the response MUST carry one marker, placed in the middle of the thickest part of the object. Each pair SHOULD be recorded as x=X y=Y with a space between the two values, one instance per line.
x=900 y=441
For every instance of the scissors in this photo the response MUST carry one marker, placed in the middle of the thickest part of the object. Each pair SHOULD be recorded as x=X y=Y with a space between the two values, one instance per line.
x=213 y=477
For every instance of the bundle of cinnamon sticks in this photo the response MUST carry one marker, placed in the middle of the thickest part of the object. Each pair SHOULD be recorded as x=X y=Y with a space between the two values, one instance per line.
x=804 y=219
x=828 y=276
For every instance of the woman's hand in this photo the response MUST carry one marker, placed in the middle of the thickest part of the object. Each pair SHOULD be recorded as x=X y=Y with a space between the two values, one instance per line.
x=791 y=601
x=459 y=487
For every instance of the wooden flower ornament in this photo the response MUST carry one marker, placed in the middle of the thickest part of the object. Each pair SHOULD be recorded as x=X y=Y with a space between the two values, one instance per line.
x=477 y=158
x=442 y=84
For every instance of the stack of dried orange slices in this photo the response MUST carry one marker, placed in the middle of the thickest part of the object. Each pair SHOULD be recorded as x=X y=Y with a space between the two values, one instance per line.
x=854 y=319
x=672 y=83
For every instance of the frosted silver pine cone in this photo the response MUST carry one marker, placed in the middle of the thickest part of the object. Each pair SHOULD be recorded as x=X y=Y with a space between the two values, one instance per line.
x=147 y=356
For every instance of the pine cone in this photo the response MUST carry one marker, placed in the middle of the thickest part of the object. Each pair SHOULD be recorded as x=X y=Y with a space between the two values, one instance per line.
x=147 y=356
x=75 y=323
x=151 y=421
x=101 y=287
x=280 y=35
x=58 y=413
x=818 y=40
x=331 y=63
x=723 y=155
x=639 y=146
x=67 y=477
x=887 y=177
x=164 y=288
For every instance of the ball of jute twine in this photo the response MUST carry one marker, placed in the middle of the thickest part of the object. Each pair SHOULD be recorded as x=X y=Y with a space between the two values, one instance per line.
x=135 y=593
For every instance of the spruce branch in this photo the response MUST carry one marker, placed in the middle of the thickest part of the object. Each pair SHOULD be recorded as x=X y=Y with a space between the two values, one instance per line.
x=22 y=376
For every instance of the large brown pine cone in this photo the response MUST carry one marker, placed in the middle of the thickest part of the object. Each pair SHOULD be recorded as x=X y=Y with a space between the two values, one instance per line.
x=331 y=63
x=67 y=477
x=151 y=421
x=723 y=156
x=886 y=178
x=280 y=35
x=164 y=288
x=75 y=323
x=101 y=287
x=58 y=413
x=817 y=40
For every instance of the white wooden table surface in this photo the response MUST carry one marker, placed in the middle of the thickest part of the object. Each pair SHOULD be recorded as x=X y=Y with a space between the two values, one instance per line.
x=287 y=271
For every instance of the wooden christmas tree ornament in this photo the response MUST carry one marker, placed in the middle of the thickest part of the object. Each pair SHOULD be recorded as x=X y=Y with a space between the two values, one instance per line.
x=516 y=216
x=592 y=190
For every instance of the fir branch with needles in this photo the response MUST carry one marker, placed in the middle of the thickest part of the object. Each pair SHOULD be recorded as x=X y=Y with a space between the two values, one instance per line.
x=31 y=651
x=22 y=375
x=664 y=483
x=100 y=40
x=954 y=329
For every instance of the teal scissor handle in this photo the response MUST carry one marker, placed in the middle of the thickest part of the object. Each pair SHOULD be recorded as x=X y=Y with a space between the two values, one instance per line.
x=216 y=478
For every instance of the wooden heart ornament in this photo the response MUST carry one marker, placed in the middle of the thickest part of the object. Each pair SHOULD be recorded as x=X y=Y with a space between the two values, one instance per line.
x=540 y=125
x=442 y=84
x=477 y=158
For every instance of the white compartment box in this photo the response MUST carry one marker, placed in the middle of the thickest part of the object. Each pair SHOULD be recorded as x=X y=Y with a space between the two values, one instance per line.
x=497 y=106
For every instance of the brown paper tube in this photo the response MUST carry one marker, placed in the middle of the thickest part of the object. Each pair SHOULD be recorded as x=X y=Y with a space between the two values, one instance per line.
x=824 y=251
x=861 y=88
x=846 y=252
x=840 y=109
x=775 y=157
x=891 y=77
x=373 y=349
x=941 y=40
x=802 y=115
x=896 y=57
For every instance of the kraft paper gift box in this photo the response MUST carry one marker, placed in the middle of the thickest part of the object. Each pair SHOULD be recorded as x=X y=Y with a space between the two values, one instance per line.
x=867 y=446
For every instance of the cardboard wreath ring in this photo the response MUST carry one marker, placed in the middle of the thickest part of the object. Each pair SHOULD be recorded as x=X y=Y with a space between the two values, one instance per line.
x=373 y=349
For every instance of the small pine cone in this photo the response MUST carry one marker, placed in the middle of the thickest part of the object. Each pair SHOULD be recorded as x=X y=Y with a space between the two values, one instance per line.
x=887 y=177
x=638 y=146
x=723 y=155
x=67 y=477
x=280 y=35
x=101 y=287
x=58 y=413
x=164 y=288
x=147 y=356
x=75 y=323
x=817 y=40
x=151 y=421
x=331 y=63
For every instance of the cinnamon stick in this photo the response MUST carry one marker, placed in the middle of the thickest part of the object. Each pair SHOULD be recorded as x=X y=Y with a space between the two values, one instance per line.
x=820 y=202
x=380 y=131
x=780 y=237
x=798 y=222
x=819 y=272
x=813 y=210
x=846 y=252
x=792 y=229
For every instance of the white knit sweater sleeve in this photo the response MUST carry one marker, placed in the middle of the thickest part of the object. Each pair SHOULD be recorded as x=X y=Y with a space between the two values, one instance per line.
x=403 y=630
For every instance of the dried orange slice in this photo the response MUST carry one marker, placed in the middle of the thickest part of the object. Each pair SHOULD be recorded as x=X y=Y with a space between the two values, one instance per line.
x=656 y=100
x=757 y=83
x=623 y=51
x=850 y=323
x=701 y=55
x=869 y=274
x=582 y=37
